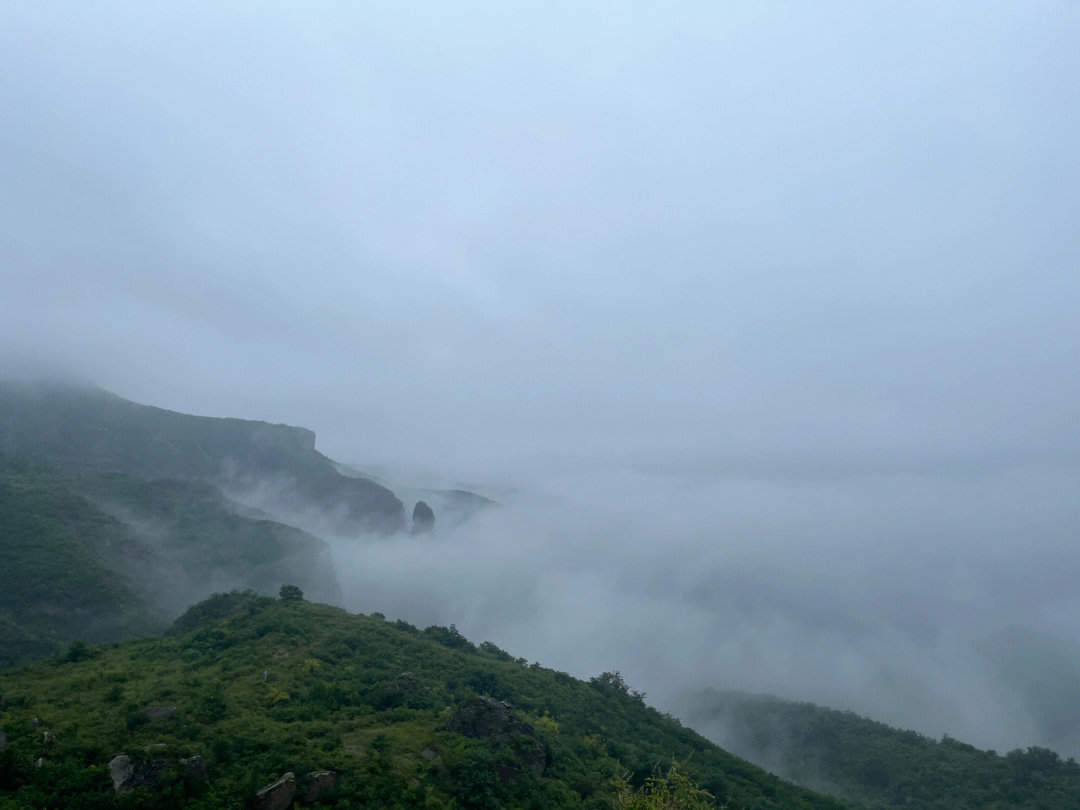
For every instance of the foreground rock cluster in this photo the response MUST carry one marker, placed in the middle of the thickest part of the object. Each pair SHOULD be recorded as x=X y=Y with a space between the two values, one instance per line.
x=129 y=773
x=492 y=719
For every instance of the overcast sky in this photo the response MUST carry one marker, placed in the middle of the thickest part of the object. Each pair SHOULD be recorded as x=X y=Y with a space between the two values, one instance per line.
x=796 y=234
x=830 y=248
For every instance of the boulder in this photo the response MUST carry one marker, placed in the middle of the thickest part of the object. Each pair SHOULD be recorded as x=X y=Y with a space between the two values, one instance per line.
x=423 y=518
x=122 y=772
x=128 y=773
x=277 y=795
x=485 y=717
x=315 y=785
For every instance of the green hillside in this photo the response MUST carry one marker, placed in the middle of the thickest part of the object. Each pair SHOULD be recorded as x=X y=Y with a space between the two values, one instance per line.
x=209 y=543
x=402 y=717
x=108 y=557
x=80 y=430
x=871 y=764
x=58 y=585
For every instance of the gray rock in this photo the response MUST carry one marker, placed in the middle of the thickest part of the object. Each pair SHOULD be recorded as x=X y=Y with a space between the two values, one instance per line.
x=423 y=518
x=277 y=795
x=485 y=717
x=128 y=773
x=158 y=714
x=316 y=785
x=148 y=774
x=122 y=772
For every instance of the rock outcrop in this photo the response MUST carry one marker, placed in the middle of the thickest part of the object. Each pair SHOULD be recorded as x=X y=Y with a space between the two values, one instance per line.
x=277 y=795
x=485 y=717
x=314 y=786
x=423 y=518
x=128 y=773
x=81 y=430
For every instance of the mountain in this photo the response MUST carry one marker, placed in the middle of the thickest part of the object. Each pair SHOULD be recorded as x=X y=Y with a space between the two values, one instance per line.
x=104 y=557
x=245 y=690
x=872 y=765
x=78 y=430
x=116 y=516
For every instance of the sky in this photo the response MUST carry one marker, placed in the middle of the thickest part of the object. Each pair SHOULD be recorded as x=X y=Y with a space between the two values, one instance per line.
x=782 y=297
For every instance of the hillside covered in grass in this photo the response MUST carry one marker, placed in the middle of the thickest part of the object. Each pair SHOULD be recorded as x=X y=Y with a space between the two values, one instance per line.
x=873 y=765
x=105 y=557
x=246 y=689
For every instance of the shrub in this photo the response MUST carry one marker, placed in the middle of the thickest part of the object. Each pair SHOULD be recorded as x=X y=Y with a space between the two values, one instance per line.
x=290 y=593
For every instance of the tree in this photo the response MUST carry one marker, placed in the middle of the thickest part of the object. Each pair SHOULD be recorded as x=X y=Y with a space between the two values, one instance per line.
x=290 y=593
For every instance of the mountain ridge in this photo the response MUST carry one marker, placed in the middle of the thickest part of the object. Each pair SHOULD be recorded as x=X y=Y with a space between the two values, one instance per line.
x=81 y=429
x=873 y=765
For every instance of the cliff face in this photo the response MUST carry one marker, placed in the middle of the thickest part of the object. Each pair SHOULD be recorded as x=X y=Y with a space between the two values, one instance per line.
x=80 y=430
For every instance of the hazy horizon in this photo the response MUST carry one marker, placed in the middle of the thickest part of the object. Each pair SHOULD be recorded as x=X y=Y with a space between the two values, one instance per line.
x=766 y=320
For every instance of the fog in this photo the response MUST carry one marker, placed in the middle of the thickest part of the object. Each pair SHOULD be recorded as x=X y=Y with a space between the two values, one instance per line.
x=761 y=324
x=928 y=602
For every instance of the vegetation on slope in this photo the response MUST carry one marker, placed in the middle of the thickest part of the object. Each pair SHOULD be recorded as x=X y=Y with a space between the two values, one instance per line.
x=57 y=586
x=874 y=765
x=80 y=430
x=211 y=543
x=259 y=687
x=108 y=557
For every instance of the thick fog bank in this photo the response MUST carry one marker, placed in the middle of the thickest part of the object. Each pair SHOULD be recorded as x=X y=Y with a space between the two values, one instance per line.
x=942 y=604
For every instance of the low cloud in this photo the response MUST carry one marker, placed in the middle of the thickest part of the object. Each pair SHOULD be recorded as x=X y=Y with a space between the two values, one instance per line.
x=904 y=598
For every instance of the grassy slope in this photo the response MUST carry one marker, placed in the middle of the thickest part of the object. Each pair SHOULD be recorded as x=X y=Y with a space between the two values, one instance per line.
x=56 y=587
x=279 y=686
x=108 y=557
x=870 y=763
x=213 y=544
